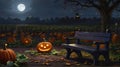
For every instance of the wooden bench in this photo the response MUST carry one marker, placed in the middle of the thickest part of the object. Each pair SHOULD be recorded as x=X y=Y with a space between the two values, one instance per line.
x=97 y=37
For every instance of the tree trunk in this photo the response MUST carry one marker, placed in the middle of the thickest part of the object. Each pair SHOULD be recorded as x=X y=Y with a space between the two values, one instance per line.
x=105 y=20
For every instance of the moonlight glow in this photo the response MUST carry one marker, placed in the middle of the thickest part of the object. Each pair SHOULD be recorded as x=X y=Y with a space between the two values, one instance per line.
x=21 y=7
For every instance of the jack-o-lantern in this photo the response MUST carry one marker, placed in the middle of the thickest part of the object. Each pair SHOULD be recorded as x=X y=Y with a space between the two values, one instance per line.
x=44 y=47
x=26 y=40
x=7 y=54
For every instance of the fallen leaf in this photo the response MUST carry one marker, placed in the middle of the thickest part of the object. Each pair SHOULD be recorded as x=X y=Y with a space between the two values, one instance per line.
x=75 y=62
x=66 y=60
x=78 y=64
x=45 y=63
x=36 y=61
x=62 y=59
x=67 y=63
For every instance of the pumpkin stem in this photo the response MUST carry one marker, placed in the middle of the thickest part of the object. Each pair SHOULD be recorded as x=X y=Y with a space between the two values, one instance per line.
x=5 y=46
x=44 y=39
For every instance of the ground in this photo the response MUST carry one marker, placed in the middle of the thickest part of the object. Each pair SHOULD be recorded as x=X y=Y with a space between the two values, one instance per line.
x=49 y=60
x=46 y=60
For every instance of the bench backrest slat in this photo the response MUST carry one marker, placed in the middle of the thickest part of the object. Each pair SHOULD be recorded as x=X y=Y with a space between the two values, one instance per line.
x=95 y=36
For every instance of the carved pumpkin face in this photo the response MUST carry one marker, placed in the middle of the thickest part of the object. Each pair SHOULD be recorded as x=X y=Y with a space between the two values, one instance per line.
x=26 y=40
x=44 y=47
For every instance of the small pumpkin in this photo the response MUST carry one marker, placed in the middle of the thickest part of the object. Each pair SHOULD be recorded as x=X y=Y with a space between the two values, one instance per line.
x=115 y=38
x=44 y=47
x=101 y=45
x=26 y=40
x=51 y=39
x=42 y=35
x=11 y=39
x=7 y=54
x=2 y=35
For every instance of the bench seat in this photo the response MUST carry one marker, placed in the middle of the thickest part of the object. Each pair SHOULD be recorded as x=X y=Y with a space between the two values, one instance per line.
x=81 y=47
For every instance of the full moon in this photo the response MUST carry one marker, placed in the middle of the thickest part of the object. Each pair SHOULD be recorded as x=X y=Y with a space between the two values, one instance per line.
x=21 y=7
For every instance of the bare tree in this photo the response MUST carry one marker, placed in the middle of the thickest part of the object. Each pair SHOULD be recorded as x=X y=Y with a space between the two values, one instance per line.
x=104 y=7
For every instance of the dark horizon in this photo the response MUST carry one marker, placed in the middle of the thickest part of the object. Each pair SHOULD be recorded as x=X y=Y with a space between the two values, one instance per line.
x=56 y=21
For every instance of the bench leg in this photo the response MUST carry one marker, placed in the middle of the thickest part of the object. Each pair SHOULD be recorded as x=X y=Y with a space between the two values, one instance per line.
x=95 y=57
x=106 y=56
x=78 y=53
x=69 y=51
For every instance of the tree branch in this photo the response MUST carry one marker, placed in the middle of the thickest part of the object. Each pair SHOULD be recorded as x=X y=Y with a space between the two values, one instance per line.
x=77 y=2
x=109 y=2
x=93 y=4
x=115 y=5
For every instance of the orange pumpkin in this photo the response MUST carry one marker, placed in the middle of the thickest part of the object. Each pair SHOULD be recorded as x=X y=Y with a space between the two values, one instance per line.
x=2 y=35
x=87 y=41
x=15 y=34
x=101 y=45
x=63 y=38
x=42 y=35
x=115 y=38
x=7 y=54
x=11 y=39
x=44 y=47
x=26 y=40
x=51 y=39
x=59 y=35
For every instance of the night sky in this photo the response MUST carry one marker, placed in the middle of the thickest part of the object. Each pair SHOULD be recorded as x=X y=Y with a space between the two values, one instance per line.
x=42 y=9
